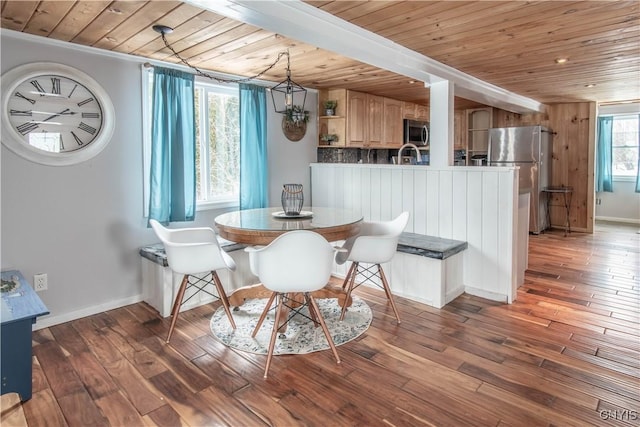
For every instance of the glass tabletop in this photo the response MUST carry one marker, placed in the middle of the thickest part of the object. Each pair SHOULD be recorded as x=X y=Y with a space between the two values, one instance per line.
x=273 y=219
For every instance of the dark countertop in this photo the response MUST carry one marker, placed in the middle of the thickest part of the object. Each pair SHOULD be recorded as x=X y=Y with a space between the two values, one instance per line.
x=429 y=246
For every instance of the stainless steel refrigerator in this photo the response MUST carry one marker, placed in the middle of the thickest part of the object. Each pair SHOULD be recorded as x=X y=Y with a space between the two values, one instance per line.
x=528 y=147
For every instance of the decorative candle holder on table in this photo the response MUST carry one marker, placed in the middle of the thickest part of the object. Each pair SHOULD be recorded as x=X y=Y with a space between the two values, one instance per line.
x=292 y=199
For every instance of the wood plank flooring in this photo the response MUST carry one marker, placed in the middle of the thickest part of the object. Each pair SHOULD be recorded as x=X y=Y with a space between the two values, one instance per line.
x=567 y=353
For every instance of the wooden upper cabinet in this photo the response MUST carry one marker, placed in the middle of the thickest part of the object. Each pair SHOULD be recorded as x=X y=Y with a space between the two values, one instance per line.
x=375 y=120
x=422 y=112
x=392 y=131
x=357 y=118
x=415 y=111
x=408 y=110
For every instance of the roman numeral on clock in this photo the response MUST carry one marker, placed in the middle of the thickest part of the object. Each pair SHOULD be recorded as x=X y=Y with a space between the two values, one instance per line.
x=19 y=95
x=38 y=87
x=85 y=127
x=55 y=85
x=90 y=115
x=20 y=113
x=86 y=101
x=72 y=90
x=25 y=128
x=78 y=140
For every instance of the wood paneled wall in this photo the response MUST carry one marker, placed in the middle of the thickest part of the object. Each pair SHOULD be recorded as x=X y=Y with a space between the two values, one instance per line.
x=573 y=156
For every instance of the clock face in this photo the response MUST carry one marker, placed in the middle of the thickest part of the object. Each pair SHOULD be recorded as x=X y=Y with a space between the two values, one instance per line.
x=54 y=114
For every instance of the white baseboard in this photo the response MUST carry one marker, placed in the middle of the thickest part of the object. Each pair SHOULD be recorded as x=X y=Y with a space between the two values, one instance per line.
x=614 y=219
x=493 y=296
x=46 y=321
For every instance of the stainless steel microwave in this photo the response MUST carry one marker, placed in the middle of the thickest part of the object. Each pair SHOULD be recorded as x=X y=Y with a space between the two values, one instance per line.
x=416 y=132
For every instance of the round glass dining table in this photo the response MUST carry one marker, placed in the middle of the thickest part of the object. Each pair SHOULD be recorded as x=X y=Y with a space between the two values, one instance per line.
x=261 y=226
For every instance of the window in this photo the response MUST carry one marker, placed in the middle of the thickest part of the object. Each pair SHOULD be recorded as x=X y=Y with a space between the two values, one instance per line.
x=625 y=142
x=217 y=143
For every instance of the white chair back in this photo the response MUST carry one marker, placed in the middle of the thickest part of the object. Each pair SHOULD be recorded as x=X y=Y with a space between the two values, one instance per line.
x=376 y=243
x=297 y=261
x=192 y=250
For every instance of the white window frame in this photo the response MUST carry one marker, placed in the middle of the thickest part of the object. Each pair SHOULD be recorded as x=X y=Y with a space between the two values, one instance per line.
x=146 y=140
x=620 y=110
x=221 y=202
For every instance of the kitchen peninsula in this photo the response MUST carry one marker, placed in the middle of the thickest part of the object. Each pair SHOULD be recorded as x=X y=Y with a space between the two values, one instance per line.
x=477 y=205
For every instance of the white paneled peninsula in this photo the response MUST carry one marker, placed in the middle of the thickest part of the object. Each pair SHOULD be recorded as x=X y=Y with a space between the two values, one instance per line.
x=478 y=205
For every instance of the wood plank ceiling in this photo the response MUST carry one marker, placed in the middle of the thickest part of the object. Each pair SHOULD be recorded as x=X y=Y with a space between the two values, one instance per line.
x=511 y=44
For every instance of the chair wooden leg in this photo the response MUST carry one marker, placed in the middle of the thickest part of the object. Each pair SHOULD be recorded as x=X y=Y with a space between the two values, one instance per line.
x=387 y=290
x=324 y=328
x=263 y=315
x=354 y=272
x=176 y=305
x=223 y=297
x=346 y=279
x=312 y=312
x=274 y=333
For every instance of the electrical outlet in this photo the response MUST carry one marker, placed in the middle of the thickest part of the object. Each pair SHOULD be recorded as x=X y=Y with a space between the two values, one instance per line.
x=40 y=282
x=598 y=201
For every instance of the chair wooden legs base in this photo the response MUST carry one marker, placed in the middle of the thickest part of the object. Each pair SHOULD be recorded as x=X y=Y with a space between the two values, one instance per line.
x=316 y=318
x=223 y=298
x=175 y=311
x=349 y=285
x=176 y=305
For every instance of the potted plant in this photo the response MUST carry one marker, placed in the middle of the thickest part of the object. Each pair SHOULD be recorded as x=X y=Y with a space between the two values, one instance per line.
x=330 y=107
x=329 y=138
x=294 y=123
x=297 y=115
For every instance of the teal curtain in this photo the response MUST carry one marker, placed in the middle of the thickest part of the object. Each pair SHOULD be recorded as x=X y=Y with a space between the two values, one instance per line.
x=253 y=147
x=604 y=165
x=173 y=147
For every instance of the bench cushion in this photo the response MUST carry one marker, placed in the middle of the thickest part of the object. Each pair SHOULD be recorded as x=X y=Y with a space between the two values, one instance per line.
x=429 y=246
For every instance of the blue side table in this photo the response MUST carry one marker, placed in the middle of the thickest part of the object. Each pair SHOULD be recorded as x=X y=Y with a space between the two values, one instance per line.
x=19 y=307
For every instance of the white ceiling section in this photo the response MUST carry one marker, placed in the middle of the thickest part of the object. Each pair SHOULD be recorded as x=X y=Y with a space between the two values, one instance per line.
x=316 y=27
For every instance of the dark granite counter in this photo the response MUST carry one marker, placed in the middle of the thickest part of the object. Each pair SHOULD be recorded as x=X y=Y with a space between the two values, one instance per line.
x=429 y=246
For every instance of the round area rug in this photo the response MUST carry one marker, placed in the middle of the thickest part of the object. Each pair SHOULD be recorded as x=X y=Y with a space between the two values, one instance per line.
x=300 y=337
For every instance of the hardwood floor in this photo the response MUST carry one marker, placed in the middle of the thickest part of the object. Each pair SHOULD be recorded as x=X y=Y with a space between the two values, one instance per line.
x=565 y=354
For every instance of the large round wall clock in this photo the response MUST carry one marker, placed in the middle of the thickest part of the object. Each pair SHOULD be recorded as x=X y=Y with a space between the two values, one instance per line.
x=54 y=114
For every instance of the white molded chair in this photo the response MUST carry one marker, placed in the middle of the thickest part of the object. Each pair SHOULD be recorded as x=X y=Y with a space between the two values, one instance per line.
x=191 y=251
x=376 y=243
x=295 y=262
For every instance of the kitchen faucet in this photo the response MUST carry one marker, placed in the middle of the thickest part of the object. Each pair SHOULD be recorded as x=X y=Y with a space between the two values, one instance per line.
x=409 y=145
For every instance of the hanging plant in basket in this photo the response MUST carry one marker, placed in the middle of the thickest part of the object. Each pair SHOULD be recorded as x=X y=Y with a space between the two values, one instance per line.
x=294 y=123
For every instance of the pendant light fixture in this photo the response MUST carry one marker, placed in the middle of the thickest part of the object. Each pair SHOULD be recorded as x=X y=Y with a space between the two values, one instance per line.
x=285 y=95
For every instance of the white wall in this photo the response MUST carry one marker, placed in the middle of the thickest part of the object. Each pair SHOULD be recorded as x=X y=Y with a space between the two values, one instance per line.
x=83 y=224
x=623 y=205
x=289 y=161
